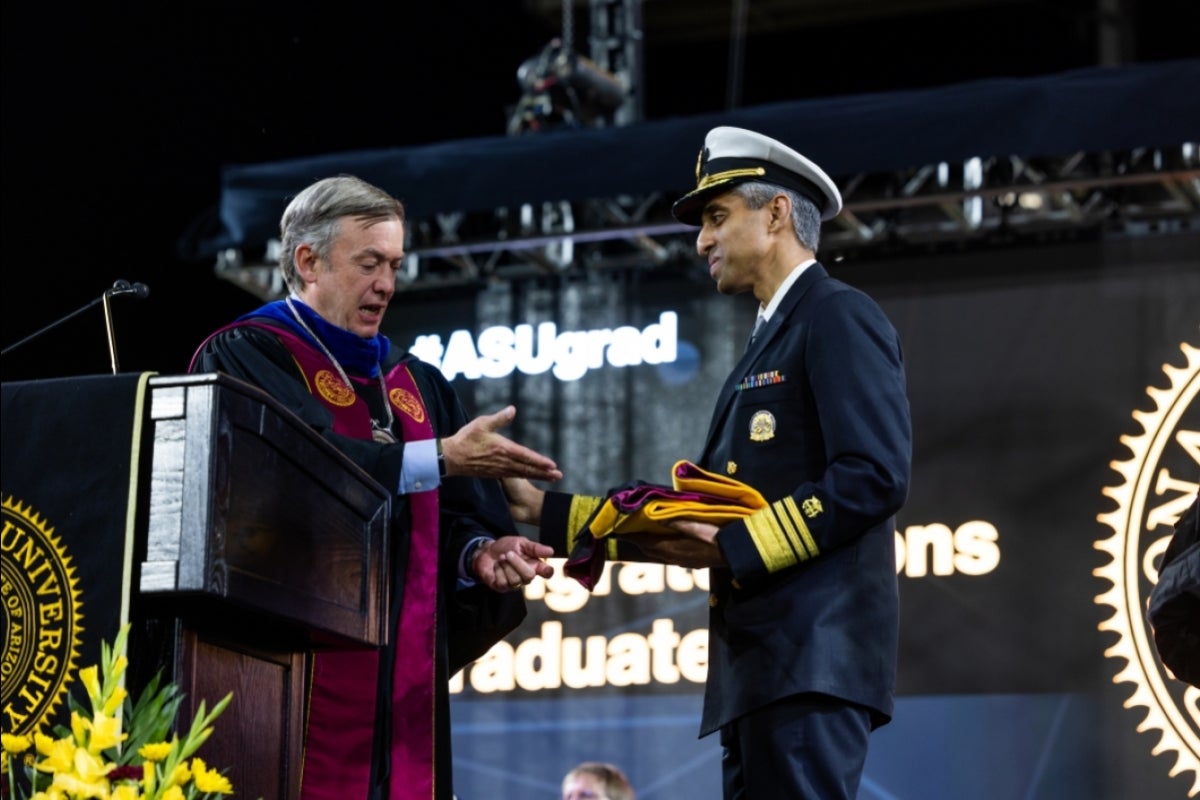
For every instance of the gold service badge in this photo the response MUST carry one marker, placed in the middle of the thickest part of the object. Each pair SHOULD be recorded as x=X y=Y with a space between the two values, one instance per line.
x=762 y=426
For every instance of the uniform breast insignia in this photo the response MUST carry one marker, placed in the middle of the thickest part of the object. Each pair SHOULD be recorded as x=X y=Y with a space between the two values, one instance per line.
x=762 y=426
x=408 y=403
x=812 y=507
x=731 y=468
x=333 y=389
x=761 y=379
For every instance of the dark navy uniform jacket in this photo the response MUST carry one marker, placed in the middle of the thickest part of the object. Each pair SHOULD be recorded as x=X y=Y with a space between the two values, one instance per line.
x=815 y=417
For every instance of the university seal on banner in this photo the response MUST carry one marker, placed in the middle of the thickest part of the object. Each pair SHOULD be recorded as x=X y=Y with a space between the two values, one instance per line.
x=333 y=389
x=406 y=402
x=41 y=620
x=1157 y=485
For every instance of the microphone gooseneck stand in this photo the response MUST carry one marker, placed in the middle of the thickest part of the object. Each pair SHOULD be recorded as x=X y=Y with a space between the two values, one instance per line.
x=119 y=289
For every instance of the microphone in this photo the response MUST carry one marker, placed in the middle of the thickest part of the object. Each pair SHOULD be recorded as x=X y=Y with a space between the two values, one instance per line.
x=120 y=288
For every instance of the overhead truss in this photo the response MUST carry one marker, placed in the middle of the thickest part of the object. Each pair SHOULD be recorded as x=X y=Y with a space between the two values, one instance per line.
x=996 y=201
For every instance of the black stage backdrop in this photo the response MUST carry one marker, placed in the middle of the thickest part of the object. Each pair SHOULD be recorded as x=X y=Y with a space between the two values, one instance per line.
x=1056 y=440
x=1055 y=429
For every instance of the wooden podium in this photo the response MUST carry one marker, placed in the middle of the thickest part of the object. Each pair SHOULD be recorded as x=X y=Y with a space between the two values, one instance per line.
x=262 y=541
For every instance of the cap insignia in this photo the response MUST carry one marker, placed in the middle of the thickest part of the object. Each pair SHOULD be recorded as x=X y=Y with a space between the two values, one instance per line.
x=728 y=175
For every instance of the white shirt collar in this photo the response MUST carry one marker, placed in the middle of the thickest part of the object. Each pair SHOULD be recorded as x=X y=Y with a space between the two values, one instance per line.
x=765 y=312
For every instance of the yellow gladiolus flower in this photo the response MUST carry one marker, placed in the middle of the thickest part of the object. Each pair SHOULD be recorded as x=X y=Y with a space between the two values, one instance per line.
x=155 y=752
x=91 y=682
x=90 y=769
x=15 y=744
x=114 y=703
x=59 y=753
x=75 y=765
x=79 y=727
x=43 y=743
x=77 y=786
x=119 y=666
x=179 y=777
x=106 y=733
x=209 y=780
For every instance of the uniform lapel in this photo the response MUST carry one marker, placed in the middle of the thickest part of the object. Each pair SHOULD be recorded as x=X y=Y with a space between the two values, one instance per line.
x=770 y=331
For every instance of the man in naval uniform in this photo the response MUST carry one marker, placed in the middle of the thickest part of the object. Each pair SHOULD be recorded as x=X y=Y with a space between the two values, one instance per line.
x=804 y=623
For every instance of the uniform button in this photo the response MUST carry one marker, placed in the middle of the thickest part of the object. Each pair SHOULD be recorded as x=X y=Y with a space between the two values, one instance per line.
x=712 y=601
x=417 y=485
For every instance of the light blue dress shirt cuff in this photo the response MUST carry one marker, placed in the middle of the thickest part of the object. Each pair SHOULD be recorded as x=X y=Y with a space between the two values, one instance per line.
x=465 y=580
x=419 y=472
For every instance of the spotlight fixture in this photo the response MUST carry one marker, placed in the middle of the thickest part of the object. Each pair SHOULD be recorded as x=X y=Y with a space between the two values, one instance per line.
x=563 y=89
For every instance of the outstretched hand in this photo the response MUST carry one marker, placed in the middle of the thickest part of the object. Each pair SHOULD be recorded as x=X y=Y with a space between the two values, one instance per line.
x=524 y=500
x=512 y=562
x=477 y=450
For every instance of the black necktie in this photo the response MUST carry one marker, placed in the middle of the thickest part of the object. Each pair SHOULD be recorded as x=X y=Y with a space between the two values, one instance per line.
x=758 y=326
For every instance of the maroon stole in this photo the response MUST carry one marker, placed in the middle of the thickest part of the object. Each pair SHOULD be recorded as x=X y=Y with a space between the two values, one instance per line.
x=340 y=730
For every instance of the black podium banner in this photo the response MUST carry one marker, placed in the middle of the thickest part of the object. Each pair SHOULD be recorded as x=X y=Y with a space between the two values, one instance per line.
x=69 y=486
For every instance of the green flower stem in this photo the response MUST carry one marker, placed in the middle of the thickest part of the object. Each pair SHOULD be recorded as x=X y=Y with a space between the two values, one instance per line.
x=180 y=751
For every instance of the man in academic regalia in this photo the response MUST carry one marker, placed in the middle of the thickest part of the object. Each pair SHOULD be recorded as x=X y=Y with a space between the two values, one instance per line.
x=378 y=720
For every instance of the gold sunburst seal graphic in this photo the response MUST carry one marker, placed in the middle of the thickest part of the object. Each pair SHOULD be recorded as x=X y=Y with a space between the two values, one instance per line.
x=1158 y=484
x=42 y=612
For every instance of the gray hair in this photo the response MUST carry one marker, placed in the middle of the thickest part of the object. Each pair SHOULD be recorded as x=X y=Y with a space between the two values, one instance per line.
x=806 y=217
x=314 y=216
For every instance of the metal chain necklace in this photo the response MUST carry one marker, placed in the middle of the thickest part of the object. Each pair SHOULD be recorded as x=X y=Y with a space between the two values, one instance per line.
x=379 y=432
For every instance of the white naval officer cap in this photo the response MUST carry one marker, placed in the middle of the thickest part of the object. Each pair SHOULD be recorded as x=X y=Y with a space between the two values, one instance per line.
x=736 y=155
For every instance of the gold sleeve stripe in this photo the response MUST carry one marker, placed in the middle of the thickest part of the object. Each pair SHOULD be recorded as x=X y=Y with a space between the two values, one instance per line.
x=610 y=546
x=582 y=508
x=801 y=532
x=770 y=541
x=788 y=531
